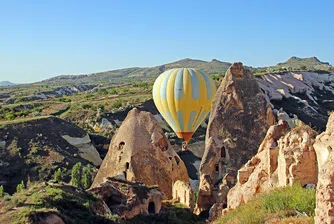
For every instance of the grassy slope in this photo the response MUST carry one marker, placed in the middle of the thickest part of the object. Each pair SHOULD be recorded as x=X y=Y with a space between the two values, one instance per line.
x=276 y=206
x=72 y=205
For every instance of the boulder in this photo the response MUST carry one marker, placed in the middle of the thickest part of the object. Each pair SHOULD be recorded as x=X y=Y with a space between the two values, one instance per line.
x=140 y=152
x=324 y=145
x=128 y=199
x=239 y=119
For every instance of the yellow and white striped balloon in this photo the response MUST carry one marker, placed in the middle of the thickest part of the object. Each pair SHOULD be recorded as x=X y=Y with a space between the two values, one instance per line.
x=183 y=97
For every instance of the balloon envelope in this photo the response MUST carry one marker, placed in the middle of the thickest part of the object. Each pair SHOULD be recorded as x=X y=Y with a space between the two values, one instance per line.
x=183 y=97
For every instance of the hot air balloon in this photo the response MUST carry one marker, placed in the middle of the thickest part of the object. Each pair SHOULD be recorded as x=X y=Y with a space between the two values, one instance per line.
x=183 y=97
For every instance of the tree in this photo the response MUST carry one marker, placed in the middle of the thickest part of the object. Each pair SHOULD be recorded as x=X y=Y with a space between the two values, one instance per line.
x=76 y=175
x=86 y=177
x=58 y=177
x=1 y=191
x=20 y=187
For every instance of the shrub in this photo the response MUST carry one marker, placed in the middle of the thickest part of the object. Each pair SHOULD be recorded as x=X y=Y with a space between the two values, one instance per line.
x=20 y=187
x=103 y=92
x=25 y=112
x=100 y=106
x=76 y=175
x=113 y=91
x=58 y=176
x=86 y=177
x=117 y=104
x=10 y=116
x=86 y=106
x=1 y=191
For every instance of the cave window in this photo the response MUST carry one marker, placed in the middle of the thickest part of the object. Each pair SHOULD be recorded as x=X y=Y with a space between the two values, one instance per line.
x=121 y=145
x=124 y=173
x=217 y=168
x=127 y=165
x=223 y=152
x=151 y=208
x=177 y=160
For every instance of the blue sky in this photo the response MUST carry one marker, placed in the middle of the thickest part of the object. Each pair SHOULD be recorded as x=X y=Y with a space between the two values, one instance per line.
x=42 y=39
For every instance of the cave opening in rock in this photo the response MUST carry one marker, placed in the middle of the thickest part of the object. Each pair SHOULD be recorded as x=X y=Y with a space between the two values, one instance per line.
x=127 y=165
x=177 y=160
x=223 y=152
x=113 y=201
x=121 y=145
x=124 y=173
x=151 y=208
x=217 y=168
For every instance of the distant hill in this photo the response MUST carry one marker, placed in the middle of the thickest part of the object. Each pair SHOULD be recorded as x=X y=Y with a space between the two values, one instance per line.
x=128 y=75
x=312 y=63
x=7 y=83
x=140 y=74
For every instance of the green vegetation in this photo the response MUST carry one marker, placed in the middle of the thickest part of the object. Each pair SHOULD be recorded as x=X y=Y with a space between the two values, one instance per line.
x=20 y=187
x=2 y=193
x=279 y=203
x=10 y=116
x=117 y=104
x=73 y=205
x=58 y=176
x=76 y=175
x=86 y=177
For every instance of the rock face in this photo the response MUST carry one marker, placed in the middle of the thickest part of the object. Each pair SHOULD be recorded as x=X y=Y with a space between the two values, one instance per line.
x=297 y=159
x=129 y=199
x=283 y=159
x=324 y=145
x=140 y=152
x=308 y=95
x=86 y=148
x=239 y=119
x=259 y=173
x=184 y=194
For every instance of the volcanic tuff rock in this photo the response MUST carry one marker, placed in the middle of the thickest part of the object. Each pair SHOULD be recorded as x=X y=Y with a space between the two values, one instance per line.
x=140 y=152
x=259 y=173
x=297 y=159
x=129 y=199
x=309 y=95
x=324 y=146
x=239 y=119
x=283 y=159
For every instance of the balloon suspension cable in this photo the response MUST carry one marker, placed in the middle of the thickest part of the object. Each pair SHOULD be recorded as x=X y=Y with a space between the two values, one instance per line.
x=185 y=146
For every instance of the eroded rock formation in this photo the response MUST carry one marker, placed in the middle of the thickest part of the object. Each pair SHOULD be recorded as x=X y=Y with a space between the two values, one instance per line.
x=239 y=119
x=184 y=194
x=259 y=173
x=308 y=95
x=324 y=145
x=297 y=159
x=284 y=158
x=140 y=152
x=128 y=199
x=86 y=148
